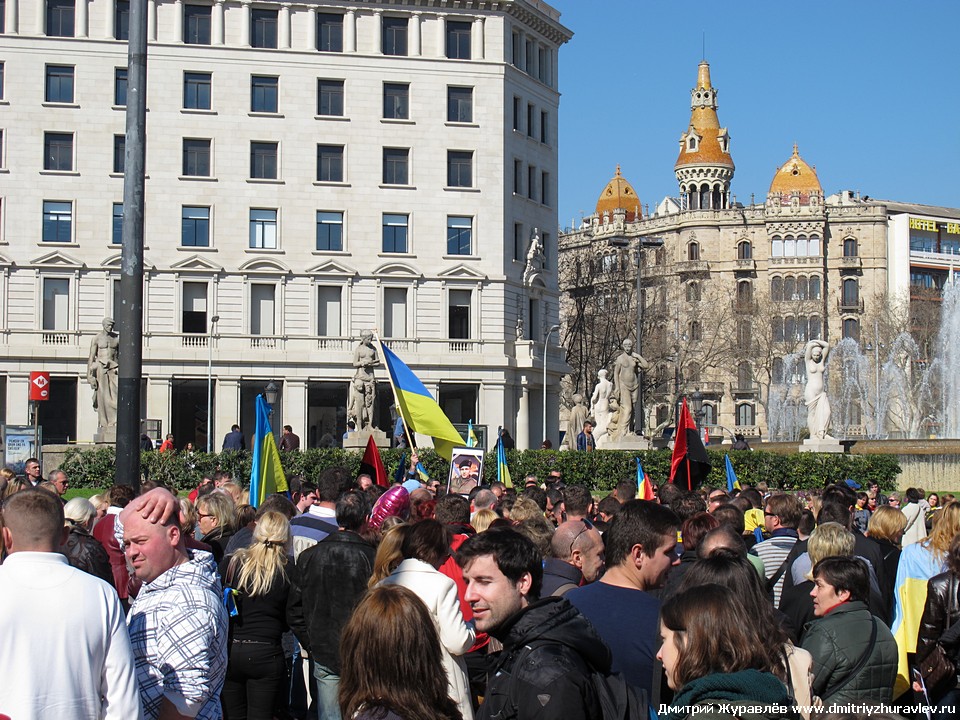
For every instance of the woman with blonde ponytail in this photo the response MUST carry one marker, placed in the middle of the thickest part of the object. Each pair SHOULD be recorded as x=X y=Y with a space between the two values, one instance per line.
x=256 y=584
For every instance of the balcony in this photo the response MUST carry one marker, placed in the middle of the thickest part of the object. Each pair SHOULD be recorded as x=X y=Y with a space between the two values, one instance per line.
x=198 y=341
x=848 y=305
x=853 y=262
x=808 y=261
x=56 y=338
x=744 y=390
x=746 y=265
x=693 y=267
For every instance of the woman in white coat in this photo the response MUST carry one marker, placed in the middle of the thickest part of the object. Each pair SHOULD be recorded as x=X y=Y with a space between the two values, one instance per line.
x=425 y=548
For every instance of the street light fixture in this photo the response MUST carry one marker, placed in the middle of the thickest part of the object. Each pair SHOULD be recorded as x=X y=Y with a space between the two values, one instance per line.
x=696 y=399
x=213 y=321
x=270 y=393
x=546 y=344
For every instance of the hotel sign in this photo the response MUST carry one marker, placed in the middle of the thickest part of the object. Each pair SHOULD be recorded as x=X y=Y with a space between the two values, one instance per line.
x=951 y=228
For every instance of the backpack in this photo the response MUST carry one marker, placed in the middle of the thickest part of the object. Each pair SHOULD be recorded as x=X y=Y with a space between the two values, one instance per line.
x=617 y=699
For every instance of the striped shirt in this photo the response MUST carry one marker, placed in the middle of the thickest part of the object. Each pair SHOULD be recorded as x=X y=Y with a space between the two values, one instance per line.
x=773 y=552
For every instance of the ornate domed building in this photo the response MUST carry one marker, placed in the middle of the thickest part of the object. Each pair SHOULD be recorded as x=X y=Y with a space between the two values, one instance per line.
x=796 y=179
x=619 y=195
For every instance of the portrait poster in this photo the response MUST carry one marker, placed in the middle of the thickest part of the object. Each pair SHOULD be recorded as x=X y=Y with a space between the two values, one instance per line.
x=466 y=464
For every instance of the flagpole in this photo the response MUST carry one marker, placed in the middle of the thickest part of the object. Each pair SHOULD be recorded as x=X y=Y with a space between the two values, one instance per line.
x=396 y=402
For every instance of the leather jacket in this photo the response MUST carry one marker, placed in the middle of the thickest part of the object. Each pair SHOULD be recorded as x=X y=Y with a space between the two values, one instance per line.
x=942 y=609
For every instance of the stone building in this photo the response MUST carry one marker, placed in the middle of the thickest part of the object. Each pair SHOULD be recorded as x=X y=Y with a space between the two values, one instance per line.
x=314 y=170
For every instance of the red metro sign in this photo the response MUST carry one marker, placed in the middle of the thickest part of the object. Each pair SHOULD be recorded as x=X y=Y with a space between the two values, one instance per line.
x=39 y=386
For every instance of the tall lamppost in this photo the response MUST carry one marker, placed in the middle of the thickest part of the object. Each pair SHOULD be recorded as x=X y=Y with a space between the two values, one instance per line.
x=213 y=321
x=546 y=345
x=271 y=393
x=875 y=347
x=696 y=399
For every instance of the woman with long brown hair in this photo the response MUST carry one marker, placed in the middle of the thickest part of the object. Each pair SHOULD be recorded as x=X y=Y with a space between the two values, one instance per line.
x=392 y=667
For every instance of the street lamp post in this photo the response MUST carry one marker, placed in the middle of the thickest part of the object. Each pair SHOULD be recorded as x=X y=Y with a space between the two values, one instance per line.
x=213 y=321
x=271 y=393
x=875 y=347
x=696 y=399
x=546 y=345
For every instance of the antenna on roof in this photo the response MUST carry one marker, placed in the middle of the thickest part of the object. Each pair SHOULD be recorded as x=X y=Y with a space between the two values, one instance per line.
x=703 y=46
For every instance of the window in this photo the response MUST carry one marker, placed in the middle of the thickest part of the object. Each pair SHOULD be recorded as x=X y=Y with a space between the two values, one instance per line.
x=815 y=327
x=458 y=39
x=850 y=247
x=709 y=414
x=59 y=18
x=396 y=101
x=744 y=295
x=329 y=163
x=395 y=312
x=696 y=331
x=744 y=251
x=117 y=236
x=263 y=94
x=120 y=87
x=1 y=81
x=547 y=252
x=329 y=232
x=58 y=151
x=515 y=50
x=194 y=312
x=543 y=65
x=262 y=309
x=813 y=286
x=196 y=90
x=531 y=125
x=693 y=251
x=328 y=311
x=196 y=157
x=395 y=228
x=196 y=24
x=460 y=104
x=518 y=241
x=195 y=226
x=745 y=415
x=744 y=335
x=459 y=168
x=119 y=153
x=56 y=305
x=263 y=160
x=263 y=229
x=790 y=288
x=776 y=289
x=330 y=97
x=528 y=59
x=851 y=328
x=57 y=221
x=545 y=187
x=3 y=16
x=776 y=247
x=531 y=182
x=459 y=315
x=851 y=293
x=396 y=166
x=263 y=28
x=329 y=32
x=59 y=86
x=394 y=36
x=459 y=235
x=693 y=292
x=121 y=20
x=516 y=114
x=544 y=128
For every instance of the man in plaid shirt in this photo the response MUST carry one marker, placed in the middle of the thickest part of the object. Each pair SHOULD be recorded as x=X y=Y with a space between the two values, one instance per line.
x=178 y=626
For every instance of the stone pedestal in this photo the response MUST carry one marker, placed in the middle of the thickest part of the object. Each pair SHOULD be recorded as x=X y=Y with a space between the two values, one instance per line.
x=105 y=436
x=358 y=440
x=628 y=442
x=818 y=445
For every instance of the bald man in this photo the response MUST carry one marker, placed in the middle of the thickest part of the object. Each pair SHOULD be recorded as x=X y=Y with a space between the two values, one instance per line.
x=65 y=650
x=178 y=625
x=577 y=550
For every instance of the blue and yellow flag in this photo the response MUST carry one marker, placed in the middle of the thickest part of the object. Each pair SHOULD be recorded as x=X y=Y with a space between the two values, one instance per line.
x=471 y=435
x=732 y=482
x=917 y=565
x=266 y=474
x=418 y=408
x=503 y=472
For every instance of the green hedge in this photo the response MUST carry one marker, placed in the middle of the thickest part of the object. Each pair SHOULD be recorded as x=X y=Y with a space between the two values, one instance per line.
x=600 y=470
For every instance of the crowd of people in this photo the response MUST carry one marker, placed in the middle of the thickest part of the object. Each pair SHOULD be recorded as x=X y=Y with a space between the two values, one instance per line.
x=345 y=600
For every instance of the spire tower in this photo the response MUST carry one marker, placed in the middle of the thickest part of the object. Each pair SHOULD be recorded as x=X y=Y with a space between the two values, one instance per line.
x=704 y=168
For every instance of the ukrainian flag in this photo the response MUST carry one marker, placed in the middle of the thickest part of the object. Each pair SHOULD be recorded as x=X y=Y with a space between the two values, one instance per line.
x=471 y=435
x=419 y=410
x=917 y=565
x=732 y=482
x=266 y=474
x=503 y=472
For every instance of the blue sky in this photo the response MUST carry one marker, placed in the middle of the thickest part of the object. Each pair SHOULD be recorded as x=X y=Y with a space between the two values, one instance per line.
x=870 y=91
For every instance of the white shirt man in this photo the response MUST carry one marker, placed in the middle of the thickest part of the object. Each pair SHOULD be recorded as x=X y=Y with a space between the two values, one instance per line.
x=65 y=650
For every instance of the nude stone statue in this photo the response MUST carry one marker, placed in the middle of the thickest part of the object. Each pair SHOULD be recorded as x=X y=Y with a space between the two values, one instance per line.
x=814 y=393
x=626 y=385
x=102 y=373
x=578 y=416
x=363 y=387
x=614 y=427
x=600 y=406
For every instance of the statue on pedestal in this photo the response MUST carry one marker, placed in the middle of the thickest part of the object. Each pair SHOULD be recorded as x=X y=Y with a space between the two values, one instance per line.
x=614 y=427
x=600 y=406
x=814 y=393
x=103 y=369
x=363 y=387
x=578 y=416
x=626 y=385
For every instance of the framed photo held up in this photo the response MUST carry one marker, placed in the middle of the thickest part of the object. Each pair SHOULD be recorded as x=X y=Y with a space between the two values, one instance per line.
x=466 y=464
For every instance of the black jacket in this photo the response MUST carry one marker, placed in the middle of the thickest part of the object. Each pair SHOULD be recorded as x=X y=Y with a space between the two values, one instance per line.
x=84 y=552
x=327 y=582
x=559 y=574
x=941 y=610
x=543 y=671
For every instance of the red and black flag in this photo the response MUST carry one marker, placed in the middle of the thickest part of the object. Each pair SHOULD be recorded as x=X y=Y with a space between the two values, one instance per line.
x=372 y=465
x=690 y=465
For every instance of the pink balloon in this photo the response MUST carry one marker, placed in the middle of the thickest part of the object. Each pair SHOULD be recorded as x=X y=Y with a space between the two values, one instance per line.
x=395 y=501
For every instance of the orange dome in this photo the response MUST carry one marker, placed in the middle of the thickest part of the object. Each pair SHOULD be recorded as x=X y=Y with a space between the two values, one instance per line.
x=704 y=142
x=619 y=195
x=796 y=176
